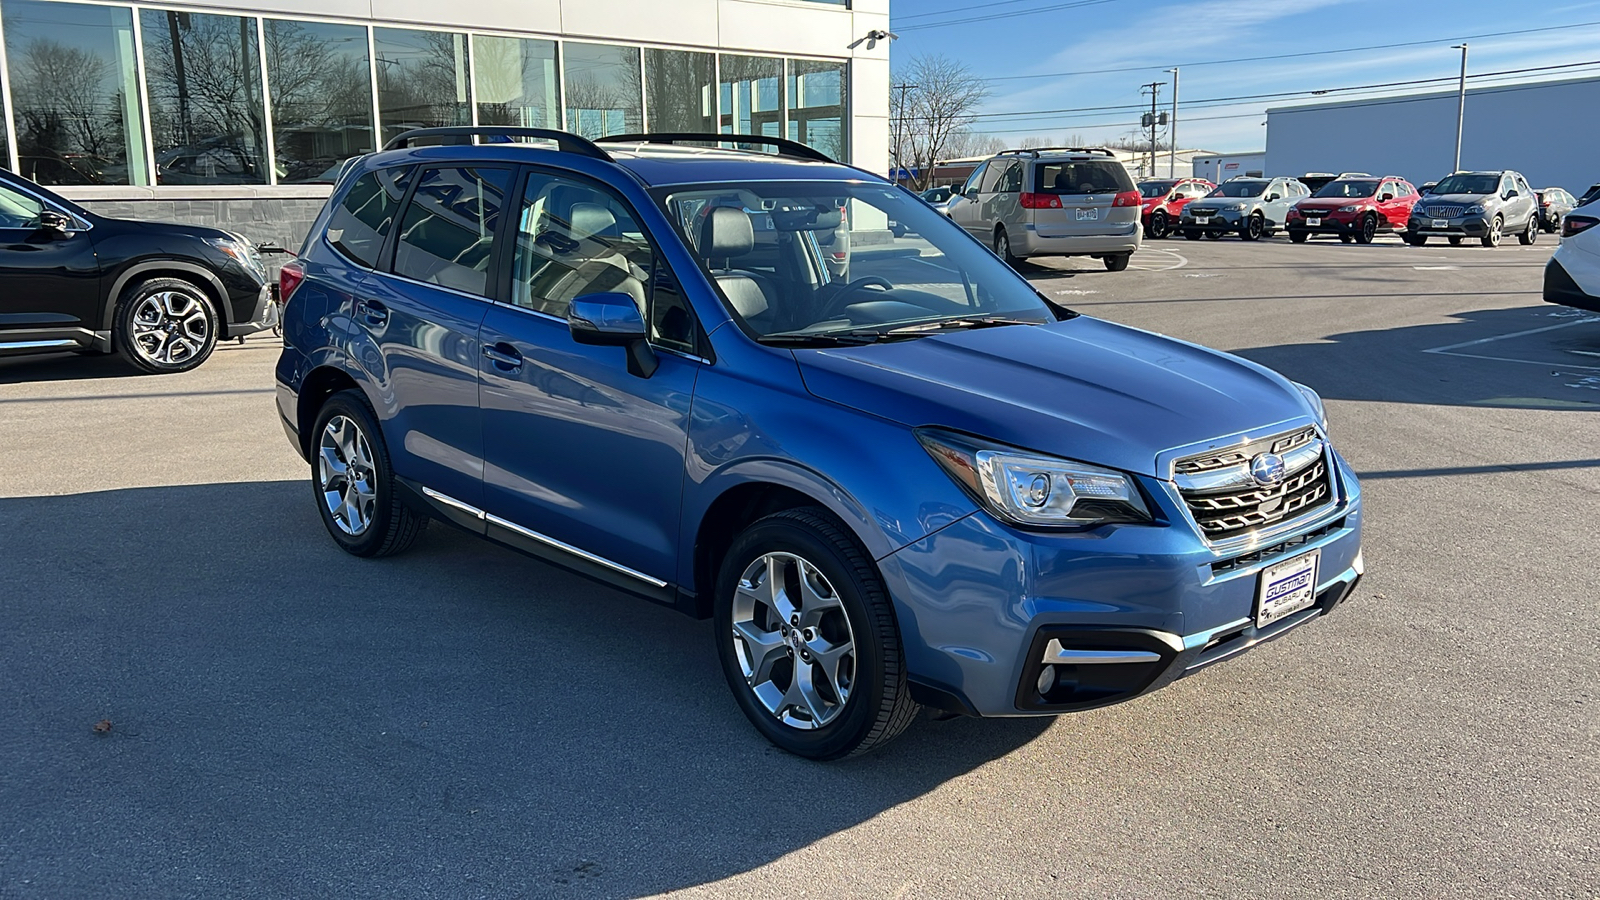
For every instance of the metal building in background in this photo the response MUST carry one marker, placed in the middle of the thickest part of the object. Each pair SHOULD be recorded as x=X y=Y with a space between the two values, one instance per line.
x=1535 y=128
x=205 y=113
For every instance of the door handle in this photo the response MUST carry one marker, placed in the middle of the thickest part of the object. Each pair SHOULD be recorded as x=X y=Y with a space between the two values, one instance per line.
x=503 y=355
x=373 y=312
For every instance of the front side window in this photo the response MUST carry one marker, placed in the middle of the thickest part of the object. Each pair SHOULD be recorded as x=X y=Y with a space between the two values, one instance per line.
x=975 y=179
x=422 y=79
x=992 y=176
x=203 y=74
x=447 y=235
x=1089 y=176
x=602 y=84
x=783 y=257
x=574 y=238
x=1151 y=190
x=321 y=87
x=18 y=210
x=358 y=225
x=75 y=93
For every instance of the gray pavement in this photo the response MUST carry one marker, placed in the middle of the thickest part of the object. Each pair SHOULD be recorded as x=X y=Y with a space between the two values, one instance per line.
x=288 y=721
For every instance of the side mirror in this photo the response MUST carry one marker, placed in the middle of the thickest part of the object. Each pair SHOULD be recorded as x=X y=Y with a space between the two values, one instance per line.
x=1273 y=197
x=612 y=319
x=1385 y=198
x=54 y=222
x=1511 y=193
x=970 y=193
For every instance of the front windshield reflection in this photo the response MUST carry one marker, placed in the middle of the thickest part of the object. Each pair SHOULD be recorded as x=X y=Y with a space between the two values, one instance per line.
x=809 y=260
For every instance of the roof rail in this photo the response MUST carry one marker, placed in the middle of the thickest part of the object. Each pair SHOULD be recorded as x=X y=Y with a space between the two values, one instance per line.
x=784 y=146
x=565 y=141
x=1035 y=151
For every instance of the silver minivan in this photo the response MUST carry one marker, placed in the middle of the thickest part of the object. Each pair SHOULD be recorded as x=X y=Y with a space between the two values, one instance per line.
x=1053 y=201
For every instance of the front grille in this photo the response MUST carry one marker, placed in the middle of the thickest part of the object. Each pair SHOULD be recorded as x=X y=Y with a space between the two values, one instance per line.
x=1445 y=212
x=1283 y=548
x=1239 y=509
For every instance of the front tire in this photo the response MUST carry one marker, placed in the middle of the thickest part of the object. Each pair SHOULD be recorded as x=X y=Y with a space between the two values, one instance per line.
x=1299 y=237
x=165 y=325
x=354 y=484
x=1253 y=228
x=1491 y=238
x=807 y=638
x=1160 y=225
x=1368 y=229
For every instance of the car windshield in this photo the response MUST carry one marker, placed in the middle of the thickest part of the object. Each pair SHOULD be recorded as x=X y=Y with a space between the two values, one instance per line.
x=1468 y=184
x=1240 y=189
x=817 y=261
x=1153 y=189
x=1348 y=189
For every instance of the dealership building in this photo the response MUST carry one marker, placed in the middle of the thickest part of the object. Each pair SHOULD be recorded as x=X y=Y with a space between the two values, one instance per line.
x=240 y=116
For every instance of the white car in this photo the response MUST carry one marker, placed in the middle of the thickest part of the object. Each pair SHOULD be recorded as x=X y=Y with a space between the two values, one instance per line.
x=1572 y=277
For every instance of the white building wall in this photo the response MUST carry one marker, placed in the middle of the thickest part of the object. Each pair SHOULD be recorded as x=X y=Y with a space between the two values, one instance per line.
x=1540 y=130
x=1219 y=167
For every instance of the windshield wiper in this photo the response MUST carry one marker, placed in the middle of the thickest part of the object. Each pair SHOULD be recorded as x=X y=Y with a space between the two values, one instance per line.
x=848 y=338
x=960 y=322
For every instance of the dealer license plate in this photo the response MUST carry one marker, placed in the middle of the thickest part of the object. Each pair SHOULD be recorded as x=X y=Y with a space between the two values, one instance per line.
x=1313 y=222
x=1287 y=588
x=1441 y=223
x=1202 y=220
x=1088 y=214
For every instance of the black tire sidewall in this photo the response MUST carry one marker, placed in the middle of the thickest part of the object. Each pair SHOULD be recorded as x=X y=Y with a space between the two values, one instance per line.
x=122 y=324
x=1159 y=226
x=353 y=406
x=838 y=738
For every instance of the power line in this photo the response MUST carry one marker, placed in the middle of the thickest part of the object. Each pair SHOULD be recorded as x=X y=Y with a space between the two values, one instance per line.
x=1006 y=15
x=954 y=9
x=1244 y=59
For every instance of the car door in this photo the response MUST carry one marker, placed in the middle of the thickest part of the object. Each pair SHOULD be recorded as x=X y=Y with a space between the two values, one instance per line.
x=964 y=211
x=49 y=280
x=1527 y=198
x=416 y=326
x=1276 y=201
x=581 y=454
x=1003 y=205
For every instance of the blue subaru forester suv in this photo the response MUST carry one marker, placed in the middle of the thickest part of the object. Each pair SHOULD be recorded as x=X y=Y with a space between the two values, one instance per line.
x=713 y=375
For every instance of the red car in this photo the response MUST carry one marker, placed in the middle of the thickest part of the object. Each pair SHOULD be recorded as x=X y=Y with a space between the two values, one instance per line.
x=1356 y=209
x=1164 y=199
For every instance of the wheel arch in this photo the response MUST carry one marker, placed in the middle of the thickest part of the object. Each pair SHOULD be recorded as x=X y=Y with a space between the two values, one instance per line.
x=319 y=384
x=193 y=272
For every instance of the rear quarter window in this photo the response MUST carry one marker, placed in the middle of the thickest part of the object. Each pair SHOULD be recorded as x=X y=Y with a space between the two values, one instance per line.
x=1091 y=176
x=363 y=218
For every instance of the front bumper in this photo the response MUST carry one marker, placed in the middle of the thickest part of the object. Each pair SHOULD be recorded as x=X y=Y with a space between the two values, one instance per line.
x=1227 y=220
x=1460 y=226
x=263 y=315
x=979 y=604
x=1344 y=224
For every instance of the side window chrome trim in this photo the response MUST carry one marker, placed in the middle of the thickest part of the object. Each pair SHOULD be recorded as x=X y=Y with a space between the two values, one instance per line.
x=438 y=287
x=544 y=315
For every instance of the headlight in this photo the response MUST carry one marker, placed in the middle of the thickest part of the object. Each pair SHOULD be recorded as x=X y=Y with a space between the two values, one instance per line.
x=1030 y=489
x=1316 y=405
x=1474 y=210
x=1348 y=208
x=243 y=252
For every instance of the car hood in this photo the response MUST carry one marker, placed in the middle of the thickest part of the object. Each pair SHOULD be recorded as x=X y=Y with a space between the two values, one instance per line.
x=1459 y=199
x=1331 y=202
x=1084 y=389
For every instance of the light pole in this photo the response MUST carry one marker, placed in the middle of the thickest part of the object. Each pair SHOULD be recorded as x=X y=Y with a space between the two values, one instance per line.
x=1172 y=133
x=1461 y=103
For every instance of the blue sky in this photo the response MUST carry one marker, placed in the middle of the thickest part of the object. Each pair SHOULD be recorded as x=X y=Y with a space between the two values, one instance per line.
x=1148 y=36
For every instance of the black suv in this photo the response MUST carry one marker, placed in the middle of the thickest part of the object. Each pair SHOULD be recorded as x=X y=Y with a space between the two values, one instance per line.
x=159 y=294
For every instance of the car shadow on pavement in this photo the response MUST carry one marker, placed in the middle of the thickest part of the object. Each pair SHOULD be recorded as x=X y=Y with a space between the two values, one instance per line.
x=63 y=367
x=283 y=719
x=1543 y=357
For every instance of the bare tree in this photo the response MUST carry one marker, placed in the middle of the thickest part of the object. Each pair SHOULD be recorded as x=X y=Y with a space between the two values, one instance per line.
x=963 y=144
x=932 y=99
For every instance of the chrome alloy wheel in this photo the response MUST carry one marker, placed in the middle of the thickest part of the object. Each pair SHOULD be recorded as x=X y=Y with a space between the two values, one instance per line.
x=170 y=328
x=347 y=476
x=793 y=641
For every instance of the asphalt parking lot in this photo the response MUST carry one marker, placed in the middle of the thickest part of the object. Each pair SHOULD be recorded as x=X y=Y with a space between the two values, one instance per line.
x=462 y=721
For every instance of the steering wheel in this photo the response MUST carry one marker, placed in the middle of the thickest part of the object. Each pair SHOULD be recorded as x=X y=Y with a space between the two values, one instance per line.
x=836 y=303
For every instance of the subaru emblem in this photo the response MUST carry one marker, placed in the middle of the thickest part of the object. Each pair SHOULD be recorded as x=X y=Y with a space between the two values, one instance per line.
x=1267 y=468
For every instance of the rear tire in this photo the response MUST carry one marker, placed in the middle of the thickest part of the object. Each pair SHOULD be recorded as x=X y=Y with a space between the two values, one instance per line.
x=1345 y=238
x=1213 y=235
x=834 y=595
x=1189 y=234
x=1002 y=248
x=1415 y=240
x=350 y=460
x=1116 y=262
x=1530 y=232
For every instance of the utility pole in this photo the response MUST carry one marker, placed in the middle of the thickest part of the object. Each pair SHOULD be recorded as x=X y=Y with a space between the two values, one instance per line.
x=899 y=129
x=1172 y=132
x=1461 y=103
x=1155 y=88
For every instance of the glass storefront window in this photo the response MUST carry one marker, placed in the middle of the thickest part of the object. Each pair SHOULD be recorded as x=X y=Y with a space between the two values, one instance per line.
x=680 y=92
x=204 y=80
x=751 y=95
x=603 y=90
x=321 y=88
x=422 y=79
x=517 y=82
x=816 y=106
x=75 y=89
x=5 y=143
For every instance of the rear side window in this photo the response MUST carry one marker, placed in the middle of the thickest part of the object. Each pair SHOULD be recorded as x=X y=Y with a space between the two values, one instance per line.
x=447 y=236
x=1090 y=176
x=362 y=219
x=1011 y=181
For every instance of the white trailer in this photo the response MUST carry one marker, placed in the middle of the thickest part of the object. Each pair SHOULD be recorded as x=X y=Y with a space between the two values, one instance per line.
x=1219 y=167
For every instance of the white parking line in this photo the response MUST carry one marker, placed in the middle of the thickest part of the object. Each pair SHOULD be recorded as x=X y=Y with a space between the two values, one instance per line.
x=1181 y=260
x=1450 y=349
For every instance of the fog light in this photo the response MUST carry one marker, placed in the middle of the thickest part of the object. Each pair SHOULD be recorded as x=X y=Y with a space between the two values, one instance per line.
x=1047 y=680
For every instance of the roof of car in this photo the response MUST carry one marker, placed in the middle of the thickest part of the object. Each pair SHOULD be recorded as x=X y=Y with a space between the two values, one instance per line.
x=654 y=164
